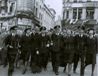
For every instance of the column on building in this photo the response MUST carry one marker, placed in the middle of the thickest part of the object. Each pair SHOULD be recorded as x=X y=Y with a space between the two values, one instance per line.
x=84 y=13
x=65 y=14
x=8 y=7
x=14 y=8
x=77 y=13
x=96 y=14
x=70 y=13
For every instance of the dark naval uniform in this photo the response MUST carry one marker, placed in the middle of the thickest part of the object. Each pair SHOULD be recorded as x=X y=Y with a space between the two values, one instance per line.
x=69 y=49
x=35 y=53
x=55 y=54
x=77 y=52
x=12 y=48
x=44 y=51
x=91 y=51
x=82 y=46
x=25 y=50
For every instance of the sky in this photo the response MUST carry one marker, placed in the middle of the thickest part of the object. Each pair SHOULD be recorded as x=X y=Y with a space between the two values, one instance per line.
x=56 y=4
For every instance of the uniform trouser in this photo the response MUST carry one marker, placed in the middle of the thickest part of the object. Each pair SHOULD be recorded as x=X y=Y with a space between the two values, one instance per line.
x=11 y=60
x=75 y=61
x=45 y=60
x=44 y=57
x=91 y=59
x=55 y=61
x=0 y=58
x=82 y=56
x=36 y=61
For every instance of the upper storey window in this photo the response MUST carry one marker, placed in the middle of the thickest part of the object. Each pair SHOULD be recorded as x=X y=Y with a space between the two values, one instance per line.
x=75 y=0
x=88 y=0
x=90 y=13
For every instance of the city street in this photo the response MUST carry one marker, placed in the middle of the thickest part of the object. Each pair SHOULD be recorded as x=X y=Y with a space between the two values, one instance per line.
x=49 y=72
x=32 y=32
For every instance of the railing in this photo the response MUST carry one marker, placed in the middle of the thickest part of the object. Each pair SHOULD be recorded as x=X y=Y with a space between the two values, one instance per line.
x=81 y=4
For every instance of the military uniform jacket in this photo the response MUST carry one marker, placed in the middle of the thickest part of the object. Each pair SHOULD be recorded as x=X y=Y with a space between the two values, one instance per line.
x=37 y=41
x=12 y=43
x=56 y=42
x=25 y=42
x=69 y=44
x=82 y=42
x=92 y=44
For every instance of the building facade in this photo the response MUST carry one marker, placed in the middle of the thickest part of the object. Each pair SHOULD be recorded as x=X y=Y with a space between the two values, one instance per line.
x=27 y=13
x=48 y=19
x=45 y=14
x=7 y=14
x=24 y=13
x=80 y=9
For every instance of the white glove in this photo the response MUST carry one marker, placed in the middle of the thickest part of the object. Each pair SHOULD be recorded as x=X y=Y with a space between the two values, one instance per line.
x=19 y=46
x=51 y=43
x=47 y=45
x=19 y=52
x=11 y=46
x=0 y=48
x=37 y=52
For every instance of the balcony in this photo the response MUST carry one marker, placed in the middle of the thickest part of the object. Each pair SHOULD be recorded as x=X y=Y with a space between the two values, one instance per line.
x=81 y=4
x=5 y=15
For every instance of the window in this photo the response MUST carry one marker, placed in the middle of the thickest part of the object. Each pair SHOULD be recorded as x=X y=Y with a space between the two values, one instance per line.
x=6 y=2
x=0 y=3
x=90 y=13
x=67 y=1
x=79 y=13
x=11 y=7
x=36 y=10
x=80 y=1
x=40 y=7
x=88 y=0
x=67 y=14
x=6 y=9
x=39 y=15
x=1 y=25
x=74 y=13
x=75 y=1
x=0 y=10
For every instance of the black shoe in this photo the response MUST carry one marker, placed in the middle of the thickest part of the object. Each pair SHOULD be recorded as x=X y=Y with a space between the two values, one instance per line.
x=74 y=72
x=9 y=74
x=57 y=73
x=24 y=71
x=69 y=75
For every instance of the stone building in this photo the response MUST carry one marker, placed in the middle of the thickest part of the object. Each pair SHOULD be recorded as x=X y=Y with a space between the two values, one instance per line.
x=7 y=14
x=75 y=10
x=80 y=9
x=48 y=17
x=25 y=13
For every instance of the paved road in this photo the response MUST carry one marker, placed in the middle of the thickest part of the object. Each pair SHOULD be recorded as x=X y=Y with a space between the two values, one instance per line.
x=18 y=72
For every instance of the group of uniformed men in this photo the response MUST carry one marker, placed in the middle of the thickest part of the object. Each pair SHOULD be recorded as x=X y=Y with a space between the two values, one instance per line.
x=36 y=47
